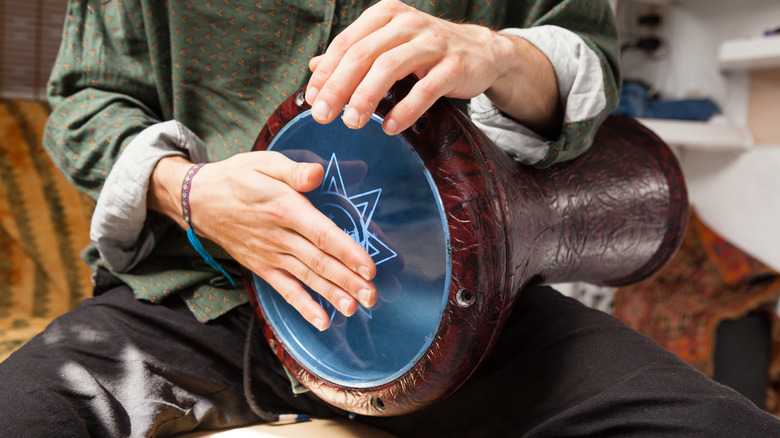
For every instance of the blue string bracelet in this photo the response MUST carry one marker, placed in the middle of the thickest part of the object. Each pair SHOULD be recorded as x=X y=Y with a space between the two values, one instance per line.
x=193 y=238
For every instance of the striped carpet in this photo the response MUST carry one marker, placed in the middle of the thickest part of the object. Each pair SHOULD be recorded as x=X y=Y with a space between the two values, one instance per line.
x=44 y=223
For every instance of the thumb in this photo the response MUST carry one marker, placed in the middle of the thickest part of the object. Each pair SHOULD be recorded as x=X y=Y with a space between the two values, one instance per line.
x=301 y=177
x=306 y=176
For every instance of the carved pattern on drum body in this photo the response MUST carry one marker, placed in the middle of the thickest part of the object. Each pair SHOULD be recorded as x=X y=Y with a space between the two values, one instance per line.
x=591 y=233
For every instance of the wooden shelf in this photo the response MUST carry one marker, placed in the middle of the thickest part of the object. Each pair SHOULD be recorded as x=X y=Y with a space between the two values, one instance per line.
x=701 y=135
x=750 y=53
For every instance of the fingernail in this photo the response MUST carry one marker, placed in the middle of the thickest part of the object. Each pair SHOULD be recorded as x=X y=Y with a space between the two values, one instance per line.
x=344 y=306
x=351 y=118
x=311 y=168
x=320 y=324
x=320 y=111
x=391 y=128
x=364 y=296
x=311 y=94
x=364 y=272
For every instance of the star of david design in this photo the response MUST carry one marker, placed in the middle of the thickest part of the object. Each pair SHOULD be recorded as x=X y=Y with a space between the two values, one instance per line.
x=353 y=215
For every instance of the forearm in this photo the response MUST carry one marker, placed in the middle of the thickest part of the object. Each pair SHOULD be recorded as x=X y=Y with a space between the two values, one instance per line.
x=587 y=80
x=120 y=228
x=580 y=42
x=526 y=88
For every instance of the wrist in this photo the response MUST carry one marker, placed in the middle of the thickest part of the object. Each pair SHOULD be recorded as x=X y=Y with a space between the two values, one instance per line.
x=511 y=68
x=165 y=186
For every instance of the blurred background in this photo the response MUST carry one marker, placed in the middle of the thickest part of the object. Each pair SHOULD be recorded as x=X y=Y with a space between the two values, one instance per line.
x=30 y=33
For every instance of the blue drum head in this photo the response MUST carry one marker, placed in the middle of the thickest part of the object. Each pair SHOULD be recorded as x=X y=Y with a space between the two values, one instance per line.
x=377 y=189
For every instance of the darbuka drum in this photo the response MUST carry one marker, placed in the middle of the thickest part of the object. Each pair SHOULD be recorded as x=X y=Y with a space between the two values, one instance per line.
x=457 y=229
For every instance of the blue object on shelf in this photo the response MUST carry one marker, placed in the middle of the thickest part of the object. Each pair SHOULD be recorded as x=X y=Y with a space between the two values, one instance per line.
x=634 y=102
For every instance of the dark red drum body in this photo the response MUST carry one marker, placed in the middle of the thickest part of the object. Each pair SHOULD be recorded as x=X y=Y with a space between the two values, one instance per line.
x=457 y=229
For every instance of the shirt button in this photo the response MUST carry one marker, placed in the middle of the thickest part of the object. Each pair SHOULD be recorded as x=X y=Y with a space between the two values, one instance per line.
x=335 y=20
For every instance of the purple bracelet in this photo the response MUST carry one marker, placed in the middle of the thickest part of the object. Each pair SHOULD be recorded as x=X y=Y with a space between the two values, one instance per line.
x=193 y=238
x=185 y=192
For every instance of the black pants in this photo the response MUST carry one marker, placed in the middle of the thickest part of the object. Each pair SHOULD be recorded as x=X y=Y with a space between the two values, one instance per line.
x=116 y=367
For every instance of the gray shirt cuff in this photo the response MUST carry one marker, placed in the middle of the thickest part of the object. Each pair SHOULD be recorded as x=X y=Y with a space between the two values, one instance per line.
x=580 y=85
x=118 y=227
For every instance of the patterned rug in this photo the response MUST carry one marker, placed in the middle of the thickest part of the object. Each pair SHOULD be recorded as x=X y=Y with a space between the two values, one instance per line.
x=44 y=223
x=708 y=281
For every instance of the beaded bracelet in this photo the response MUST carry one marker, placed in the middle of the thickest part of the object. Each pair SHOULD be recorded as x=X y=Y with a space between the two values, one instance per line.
x=185 y=209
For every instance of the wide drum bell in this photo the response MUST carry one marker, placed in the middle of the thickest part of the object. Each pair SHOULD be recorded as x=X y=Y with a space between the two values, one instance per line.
x=457 y=229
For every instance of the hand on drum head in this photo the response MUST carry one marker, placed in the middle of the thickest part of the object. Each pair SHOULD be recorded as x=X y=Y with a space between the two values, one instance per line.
x=387 y=43
x=351 y=172
x=252 y=205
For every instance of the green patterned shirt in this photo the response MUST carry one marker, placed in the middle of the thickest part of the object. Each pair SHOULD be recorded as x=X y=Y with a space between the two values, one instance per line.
x=221 y=67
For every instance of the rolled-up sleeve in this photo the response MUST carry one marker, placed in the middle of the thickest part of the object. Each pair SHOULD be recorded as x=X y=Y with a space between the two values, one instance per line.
x=584 y=58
